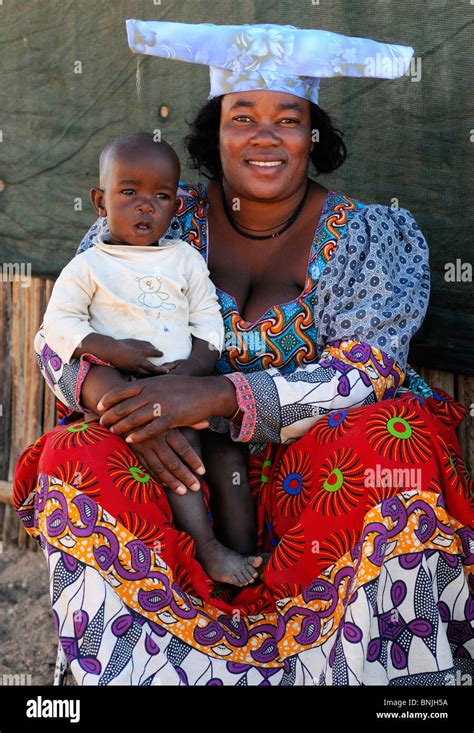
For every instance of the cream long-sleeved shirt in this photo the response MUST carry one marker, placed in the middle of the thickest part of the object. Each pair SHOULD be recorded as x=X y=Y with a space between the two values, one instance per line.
x=162 y=294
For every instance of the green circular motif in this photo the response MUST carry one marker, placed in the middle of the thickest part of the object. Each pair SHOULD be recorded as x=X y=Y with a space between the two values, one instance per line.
x=263 y=478
x=337 y=484
x=139 y=475
x=79 y=428
x=402 y=434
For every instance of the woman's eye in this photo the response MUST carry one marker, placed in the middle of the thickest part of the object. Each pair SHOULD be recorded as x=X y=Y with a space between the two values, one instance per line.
x=244 y=118
x=128 y=191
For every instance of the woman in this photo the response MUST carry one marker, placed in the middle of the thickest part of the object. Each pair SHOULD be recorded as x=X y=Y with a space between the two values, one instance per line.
x=361 y=494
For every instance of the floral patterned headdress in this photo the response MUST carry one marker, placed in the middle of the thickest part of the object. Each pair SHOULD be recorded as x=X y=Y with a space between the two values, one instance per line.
x=272 y=57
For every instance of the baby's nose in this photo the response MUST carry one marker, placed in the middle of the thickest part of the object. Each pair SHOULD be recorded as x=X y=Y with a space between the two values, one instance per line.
x=145 y=205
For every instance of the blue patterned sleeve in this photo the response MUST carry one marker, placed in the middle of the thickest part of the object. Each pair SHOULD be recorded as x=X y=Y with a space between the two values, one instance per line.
x=98 y=227
x=376 y=286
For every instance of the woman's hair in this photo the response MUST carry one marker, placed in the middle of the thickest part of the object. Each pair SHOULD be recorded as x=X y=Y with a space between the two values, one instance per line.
x=202 y=144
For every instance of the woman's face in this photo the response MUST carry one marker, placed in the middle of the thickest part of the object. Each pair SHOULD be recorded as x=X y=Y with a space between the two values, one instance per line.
x=262 y=127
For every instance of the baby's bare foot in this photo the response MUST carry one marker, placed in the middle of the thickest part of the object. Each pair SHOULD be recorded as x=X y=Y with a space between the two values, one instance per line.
x=226 y=565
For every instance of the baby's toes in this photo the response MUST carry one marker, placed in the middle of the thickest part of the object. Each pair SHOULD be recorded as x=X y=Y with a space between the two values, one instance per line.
x=237 y=580
x=243 y=573
x=241 y=579
x=253 y=572
x=250 y=573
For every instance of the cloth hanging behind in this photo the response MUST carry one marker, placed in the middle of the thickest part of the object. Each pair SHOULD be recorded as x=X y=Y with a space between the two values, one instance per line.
x=69 y=85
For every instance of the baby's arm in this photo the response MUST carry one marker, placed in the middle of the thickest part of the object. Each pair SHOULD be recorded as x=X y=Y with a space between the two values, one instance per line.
x=68 y=331
x=66 y=320
x=127 y=355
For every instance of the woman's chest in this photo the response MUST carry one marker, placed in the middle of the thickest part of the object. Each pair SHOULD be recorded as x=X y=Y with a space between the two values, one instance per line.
x=259 y=274
x=267 y=273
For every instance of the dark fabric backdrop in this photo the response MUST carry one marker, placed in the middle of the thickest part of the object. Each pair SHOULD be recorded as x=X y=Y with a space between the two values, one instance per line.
x=408 y=140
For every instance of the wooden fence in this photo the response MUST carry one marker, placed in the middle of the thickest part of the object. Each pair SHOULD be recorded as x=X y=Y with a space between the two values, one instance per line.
x=27 y=405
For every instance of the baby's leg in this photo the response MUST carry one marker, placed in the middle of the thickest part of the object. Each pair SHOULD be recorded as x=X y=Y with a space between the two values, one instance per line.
x=190 y=515
x=232 y=505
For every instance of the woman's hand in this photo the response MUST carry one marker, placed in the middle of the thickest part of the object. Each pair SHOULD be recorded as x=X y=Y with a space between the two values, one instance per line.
x=170 y=460
x=165 y=402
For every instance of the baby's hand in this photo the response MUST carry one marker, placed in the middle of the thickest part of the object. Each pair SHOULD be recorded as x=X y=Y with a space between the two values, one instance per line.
x=185 y=367
x=130 y=355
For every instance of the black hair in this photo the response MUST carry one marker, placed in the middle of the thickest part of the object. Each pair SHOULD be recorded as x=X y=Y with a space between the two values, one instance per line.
x=329 y=151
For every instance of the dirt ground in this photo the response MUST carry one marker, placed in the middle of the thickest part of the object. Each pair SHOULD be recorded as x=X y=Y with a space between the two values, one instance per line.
x=27 y=633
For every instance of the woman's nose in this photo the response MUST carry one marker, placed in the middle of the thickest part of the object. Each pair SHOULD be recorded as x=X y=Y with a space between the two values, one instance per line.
x=266 y=135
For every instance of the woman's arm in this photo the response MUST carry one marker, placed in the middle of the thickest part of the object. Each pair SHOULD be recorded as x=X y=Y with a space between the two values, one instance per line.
x=280 y=408
x=170 y=459
x=274 y=407
x=161 y=403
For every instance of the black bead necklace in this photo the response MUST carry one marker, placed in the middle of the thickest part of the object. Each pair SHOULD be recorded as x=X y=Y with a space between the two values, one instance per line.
x=286 y=225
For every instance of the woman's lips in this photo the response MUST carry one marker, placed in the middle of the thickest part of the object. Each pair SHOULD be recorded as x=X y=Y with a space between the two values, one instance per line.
x=265 y=167
x=264 y=163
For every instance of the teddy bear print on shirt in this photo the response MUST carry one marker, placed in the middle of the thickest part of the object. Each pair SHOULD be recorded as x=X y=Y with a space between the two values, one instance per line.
x=152 y=296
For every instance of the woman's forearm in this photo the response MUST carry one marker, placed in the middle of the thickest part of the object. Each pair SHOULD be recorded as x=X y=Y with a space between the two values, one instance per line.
x=224 y=402
x=283 y=407
x=99 y=380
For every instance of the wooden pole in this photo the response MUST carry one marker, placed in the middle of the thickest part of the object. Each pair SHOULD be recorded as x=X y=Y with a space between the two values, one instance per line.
x=6 y=492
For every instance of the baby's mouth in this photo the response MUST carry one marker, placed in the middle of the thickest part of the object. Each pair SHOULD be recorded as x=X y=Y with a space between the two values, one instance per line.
x=144 y=225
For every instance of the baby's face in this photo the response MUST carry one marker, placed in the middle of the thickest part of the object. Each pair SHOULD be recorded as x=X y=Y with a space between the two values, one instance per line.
x=140 y=196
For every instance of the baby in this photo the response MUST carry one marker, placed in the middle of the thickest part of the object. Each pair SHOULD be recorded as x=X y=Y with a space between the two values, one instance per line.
x=135 y=282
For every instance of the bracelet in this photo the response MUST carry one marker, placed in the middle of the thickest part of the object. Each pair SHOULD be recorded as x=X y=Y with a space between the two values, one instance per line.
x=230 y=419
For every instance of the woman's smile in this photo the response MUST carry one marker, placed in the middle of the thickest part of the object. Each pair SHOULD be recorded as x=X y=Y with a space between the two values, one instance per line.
x=265 y=166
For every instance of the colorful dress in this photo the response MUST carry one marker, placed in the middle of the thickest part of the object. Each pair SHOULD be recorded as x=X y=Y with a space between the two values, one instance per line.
x=360 y=489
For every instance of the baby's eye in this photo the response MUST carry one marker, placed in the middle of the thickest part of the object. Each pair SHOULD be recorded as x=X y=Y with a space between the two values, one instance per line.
x=128 y=191
x=162 y=195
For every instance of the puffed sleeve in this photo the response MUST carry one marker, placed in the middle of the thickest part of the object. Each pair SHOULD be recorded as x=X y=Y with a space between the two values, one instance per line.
x=372 y=297
x=376 y=286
